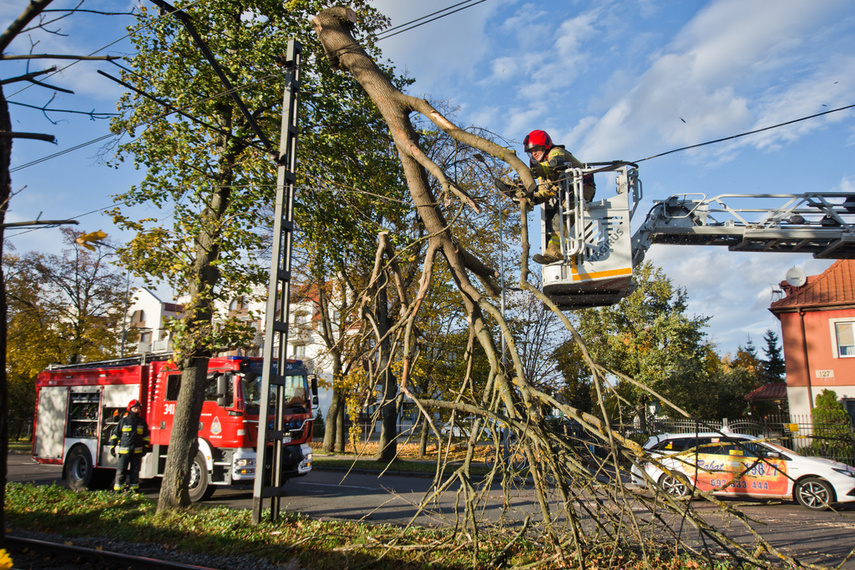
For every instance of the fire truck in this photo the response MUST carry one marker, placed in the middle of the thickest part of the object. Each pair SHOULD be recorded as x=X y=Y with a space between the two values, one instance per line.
x=78 y=405
x=601 y=252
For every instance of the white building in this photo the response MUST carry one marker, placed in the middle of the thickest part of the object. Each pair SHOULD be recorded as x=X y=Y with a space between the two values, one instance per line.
x=147 y=314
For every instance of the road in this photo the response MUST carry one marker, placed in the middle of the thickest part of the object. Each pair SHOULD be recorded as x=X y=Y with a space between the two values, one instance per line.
x=816 y=537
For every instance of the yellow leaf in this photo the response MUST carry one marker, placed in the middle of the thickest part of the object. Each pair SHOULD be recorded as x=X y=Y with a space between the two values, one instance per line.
x=5 y=560
x=84 y=239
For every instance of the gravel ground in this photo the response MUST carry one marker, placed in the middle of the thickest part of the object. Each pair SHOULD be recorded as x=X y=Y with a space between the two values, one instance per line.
x=34 y=560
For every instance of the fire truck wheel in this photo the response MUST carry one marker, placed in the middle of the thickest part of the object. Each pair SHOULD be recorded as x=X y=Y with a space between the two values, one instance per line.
x=79 y=472
x=199 y=487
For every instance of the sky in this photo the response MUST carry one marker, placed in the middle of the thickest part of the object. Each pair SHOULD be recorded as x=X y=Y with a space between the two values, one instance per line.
x=609 y=79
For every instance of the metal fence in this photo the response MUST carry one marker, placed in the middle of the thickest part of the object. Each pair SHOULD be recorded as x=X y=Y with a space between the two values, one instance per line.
x=830 y=440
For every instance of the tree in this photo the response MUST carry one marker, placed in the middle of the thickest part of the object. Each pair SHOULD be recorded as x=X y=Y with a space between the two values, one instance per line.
x=64 y=309
x=773 y=368
x=832 y=426
x=508 y=399
x=33 y=11
x=647 y=336
x=209 y=167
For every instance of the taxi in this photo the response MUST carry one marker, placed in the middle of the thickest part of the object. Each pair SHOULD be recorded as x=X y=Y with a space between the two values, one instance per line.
x=738 y=465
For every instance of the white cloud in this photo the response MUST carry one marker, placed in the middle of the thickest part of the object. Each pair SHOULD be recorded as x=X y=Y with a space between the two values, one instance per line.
x=734 y=289
x=698 y=87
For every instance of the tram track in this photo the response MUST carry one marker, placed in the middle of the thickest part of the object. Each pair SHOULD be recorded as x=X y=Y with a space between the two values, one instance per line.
x=36 y=554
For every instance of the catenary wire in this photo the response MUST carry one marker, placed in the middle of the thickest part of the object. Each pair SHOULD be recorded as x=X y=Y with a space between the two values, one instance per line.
x=444 y=12
x=426 y=16
x=769 y=128
x=384 y=36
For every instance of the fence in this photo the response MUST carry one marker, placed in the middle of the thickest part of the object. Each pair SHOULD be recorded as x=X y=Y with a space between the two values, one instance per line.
x=830 y=440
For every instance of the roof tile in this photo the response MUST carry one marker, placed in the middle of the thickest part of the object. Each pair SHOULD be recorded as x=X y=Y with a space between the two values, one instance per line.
x=835 y=286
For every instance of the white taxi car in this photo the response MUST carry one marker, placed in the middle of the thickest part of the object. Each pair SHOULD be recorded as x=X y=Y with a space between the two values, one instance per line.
x=740 y=465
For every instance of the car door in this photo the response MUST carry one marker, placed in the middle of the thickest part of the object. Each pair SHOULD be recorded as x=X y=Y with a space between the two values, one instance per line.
x=748 y=469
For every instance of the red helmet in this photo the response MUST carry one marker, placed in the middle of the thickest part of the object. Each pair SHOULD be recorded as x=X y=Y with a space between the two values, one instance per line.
x=133 y=403
x=537 y=138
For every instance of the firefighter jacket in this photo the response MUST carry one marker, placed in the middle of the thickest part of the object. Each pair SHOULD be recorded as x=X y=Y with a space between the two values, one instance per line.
x=131 y=435
x=548 y=171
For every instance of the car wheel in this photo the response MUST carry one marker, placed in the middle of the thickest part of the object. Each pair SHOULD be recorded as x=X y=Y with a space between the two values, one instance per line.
x=674 y=486
x=79 y=471
x=814 y=494
x=199 y=486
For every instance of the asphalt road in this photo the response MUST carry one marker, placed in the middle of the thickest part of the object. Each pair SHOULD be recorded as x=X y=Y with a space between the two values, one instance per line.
x=816 y=537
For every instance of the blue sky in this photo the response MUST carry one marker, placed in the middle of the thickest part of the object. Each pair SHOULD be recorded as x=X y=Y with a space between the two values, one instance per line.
x=622 y=79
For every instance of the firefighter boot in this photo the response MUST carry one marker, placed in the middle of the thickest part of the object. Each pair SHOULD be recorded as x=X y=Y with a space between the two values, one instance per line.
x=551 y=255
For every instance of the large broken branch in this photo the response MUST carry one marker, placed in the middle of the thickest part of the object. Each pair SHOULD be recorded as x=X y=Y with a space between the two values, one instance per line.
x=333 y=27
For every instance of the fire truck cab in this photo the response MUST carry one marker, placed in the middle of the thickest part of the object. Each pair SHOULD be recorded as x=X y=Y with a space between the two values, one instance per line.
x=78 y=405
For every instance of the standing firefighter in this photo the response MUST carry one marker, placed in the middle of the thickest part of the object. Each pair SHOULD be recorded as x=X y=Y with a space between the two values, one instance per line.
x=132 y=437
x=547 y=162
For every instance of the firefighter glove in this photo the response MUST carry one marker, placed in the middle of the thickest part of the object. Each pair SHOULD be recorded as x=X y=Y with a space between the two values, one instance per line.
x=113 y=451
x=506 y=187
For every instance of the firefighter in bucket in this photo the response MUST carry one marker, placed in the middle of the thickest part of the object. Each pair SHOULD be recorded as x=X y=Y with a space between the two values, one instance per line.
x=133 y=440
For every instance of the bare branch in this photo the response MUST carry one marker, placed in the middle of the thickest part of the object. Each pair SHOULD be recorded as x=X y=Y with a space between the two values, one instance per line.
x=34 y=136
x=61 y=56
x=33 y=9
x=28 y=76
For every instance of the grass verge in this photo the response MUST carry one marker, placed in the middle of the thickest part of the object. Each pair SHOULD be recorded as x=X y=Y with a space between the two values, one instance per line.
x=293 y=538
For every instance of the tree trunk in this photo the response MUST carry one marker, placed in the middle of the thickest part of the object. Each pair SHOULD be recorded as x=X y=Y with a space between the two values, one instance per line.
x=388 y=444
x=192 y=347
x=183 y=442
x=341 y=435
x=334 y=423
x=423 y=437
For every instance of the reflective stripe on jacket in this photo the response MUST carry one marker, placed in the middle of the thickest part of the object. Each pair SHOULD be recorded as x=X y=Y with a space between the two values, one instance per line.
x=131 y=435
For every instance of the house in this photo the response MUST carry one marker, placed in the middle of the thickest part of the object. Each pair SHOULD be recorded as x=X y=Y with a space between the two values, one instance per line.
x=818 y=334
x=147 y=314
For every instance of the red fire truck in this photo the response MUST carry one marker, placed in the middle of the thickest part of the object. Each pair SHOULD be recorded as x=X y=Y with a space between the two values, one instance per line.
x=78 y=405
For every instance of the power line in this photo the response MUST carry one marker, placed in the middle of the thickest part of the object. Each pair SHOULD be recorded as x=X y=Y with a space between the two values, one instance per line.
x=60 y=153
x=422 y=21
x=745 y=133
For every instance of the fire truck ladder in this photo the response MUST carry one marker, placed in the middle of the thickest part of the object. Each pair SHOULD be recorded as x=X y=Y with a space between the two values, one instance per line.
x=819 y=223
x=600 y=252
x=270 y=442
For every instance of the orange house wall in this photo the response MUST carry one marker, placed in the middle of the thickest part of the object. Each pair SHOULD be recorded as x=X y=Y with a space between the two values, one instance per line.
x=821 y=355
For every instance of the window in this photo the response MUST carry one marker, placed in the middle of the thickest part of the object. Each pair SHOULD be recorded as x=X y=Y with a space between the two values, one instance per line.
x=844 y=338
x=849 y=404
x=173 y=385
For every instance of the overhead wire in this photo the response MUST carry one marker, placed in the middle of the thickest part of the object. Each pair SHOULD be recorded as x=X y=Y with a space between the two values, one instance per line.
x=182 y=110
x=746 y=133
x=423 y=20
x=412 y=24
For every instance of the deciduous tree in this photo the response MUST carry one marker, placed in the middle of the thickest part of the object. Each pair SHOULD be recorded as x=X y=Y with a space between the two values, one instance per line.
x=648 y=336
x=63 y=308
x=211 y=174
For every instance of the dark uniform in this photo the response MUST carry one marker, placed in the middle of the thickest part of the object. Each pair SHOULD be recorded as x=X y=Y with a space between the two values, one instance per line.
x=547 y=172
x=132 y=440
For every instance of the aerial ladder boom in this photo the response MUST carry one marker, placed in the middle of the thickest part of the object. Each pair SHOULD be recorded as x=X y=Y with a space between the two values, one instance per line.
x=600 y=251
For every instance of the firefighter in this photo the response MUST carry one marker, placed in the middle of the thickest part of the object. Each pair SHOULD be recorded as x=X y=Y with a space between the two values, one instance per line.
x=547 y=162
x=132 y=437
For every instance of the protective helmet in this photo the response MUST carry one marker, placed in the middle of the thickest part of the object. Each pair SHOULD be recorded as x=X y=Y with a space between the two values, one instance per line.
x=537 y=139
x=133 y=403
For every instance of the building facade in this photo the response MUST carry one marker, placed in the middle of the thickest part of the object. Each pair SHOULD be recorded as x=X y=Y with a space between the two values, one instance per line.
x=818 y=336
